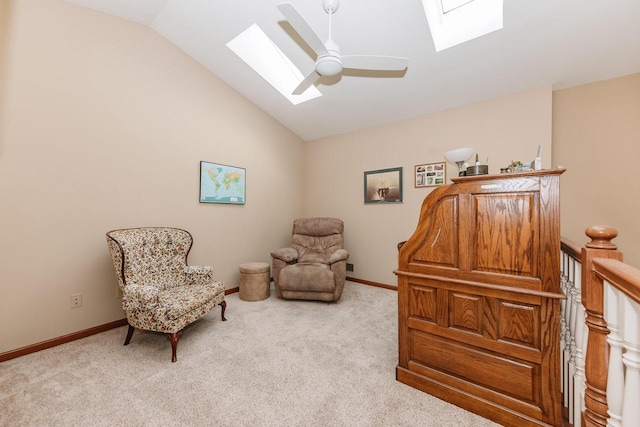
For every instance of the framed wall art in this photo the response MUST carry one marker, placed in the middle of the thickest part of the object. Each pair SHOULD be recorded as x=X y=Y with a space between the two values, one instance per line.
x=383 y=186
x=222 y=184
x=430 y=174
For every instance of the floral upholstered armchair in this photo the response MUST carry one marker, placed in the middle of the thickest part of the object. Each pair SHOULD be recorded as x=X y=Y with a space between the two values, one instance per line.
x=160 y=291
x=314 y=266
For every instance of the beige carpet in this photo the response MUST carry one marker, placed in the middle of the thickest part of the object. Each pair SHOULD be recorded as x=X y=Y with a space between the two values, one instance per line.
x=273 y=363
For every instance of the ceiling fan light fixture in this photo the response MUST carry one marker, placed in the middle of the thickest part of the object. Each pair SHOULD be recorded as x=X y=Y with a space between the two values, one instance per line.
x=329 y=65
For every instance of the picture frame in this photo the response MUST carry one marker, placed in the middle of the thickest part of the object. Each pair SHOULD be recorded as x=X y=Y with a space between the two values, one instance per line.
x=383 y=186
x=221 y=183
x=430 y=174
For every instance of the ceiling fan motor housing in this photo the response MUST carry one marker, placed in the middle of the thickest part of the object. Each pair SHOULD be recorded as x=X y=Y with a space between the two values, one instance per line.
x=329 y=64
x=330 y=6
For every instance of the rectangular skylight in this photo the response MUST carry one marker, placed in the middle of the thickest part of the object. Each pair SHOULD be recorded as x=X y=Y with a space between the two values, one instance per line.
x=255 y=48
x=449 y=5
x=456 y=21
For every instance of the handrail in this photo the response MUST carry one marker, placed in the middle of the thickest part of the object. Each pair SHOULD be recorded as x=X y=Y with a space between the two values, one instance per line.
x=571 y=248
x=622 y=276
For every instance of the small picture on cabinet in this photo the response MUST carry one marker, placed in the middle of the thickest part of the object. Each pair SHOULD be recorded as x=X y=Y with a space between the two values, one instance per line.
x=383 y=186
x=430 y=174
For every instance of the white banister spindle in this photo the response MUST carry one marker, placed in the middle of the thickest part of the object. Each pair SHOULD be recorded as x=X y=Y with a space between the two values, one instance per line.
x=568 y=315
x=613 y=314
x=567 y=308
x=631 y=360
x=564 y=279
x=564 y=257
x=579 y=334
x=573 y=339
x=574 y=336
x=572 y=342
x=563 y=303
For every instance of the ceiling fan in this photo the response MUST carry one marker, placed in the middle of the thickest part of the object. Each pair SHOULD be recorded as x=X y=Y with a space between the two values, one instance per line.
x=329 y=61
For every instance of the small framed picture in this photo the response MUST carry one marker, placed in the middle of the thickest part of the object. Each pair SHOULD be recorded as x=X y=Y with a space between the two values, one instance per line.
x=430 y=174
x=383 y=186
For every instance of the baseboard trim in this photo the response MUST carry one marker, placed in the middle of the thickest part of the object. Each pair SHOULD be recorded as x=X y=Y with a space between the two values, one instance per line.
x=369 y=283
x=12 y=354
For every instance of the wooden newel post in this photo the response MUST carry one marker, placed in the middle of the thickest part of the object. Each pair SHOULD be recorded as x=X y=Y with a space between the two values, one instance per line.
x=597 y=358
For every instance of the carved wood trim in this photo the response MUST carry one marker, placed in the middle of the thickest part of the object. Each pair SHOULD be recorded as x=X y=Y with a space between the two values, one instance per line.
x=483 y=285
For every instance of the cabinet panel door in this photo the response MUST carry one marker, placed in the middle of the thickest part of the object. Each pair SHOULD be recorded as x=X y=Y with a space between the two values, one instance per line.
x=519 y=323
x=466 y=312
x=423 y=303
x=505 y=233
x=515 y=378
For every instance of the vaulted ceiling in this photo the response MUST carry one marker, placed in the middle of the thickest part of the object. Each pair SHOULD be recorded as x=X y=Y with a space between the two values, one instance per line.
x=543 y=43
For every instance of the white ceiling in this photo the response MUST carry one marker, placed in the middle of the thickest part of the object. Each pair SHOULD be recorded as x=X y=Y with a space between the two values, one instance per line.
x=559 y=43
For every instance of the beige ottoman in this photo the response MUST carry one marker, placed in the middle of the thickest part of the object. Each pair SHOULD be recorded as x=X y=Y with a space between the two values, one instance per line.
x=254 y=281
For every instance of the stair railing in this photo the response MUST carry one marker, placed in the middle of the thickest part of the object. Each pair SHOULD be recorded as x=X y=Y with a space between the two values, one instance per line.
x=600 y=333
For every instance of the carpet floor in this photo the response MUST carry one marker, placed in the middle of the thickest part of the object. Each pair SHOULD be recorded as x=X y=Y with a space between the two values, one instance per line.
x=273 y=363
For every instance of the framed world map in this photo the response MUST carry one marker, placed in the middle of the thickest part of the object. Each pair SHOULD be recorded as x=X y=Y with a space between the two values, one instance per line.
x=222 y=183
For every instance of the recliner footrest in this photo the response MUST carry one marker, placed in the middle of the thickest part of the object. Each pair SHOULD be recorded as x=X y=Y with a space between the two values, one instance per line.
x=314 y=277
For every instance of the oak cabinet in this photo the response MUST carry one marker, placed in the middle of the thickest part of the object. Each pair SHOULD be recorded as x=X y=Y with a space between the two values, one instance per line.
x=479 y=297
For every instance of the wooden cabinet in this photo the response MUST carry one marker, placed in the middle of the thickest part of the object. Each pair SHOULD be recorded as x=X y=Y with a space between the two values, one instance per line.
x=479 y=297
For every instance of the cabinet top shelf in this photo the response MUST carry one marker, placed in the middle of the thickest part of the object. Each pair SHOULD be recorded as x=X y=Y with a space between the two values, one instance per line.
x=556 y=171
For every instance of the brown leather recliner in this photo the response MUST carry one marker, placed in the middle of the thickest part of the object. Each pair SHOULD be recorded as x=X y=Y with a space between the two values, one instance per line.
x=314 y=266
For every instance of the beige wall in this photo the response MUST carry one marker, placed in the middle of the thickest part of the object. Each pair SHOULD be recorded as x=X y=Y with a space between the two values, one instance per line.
x=5 y=11
x=503 y=129
x=596 y=135
x=105 y=126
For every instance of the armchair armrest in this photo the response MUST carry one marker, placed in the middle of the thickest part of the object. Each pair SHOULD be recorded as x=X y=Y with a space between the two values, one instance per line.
x=139 y=296
x=280 y=259
x=199 y=274
x=339 y=255
x=285 y=254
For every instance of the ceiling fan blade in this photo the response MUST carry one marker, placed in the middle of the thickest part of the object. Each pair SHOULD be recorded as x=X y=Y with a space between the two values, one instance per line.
x=373 y=62
x=306 y=83
x=302 y=28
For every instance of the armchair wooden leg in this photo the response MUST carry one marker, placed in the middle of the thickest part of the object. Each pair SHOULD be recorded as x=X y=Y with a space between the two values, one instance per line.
x=223 y=304
x=129 y=334
x=174 y=345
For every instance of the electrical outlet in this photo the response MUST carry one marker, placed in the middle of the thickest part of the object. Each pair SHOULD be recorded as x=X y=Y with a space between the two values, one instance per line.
x=76 y=300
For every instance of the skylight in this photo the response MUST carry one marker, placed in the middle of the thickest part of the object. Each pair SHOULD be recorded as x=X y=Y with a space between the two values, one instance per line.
x=456 y=21
x=449 y=5
x=255 y=48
